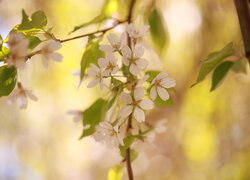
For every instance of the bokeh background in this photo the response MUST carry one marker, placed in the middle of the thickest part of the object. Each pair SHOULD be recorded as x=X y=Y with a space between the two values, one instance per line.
x=208 y=136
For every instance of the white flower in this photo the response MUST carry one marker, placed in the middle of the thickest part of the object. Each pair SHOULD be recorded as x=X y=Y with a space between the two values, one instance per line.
x=133 y=59
x=78 y=115
x=160 y=126
x=20 y=96
x=137 y=106
x=115 y=43
x=108 y=134
x=109 y=64
x=47 y=52
x=97 y=74
x=142 y=81
x=136 y=33
x=18 y=50
x=159 y=83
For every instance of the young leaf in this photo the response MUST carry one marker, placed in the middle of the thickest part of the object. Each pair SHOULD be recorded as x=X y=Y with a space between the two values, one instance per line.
x=115 y=173
x=157 y=30
x=90 y=55
x=219 y=73
x=7 y=80
x=240 y=66
x=127 y=142
x=214 y=59
x=34 y=41
x=93 y=115
x=152 y=75
x=25 y=24
x=4 y=53
x=159 y=102
x=39 y=19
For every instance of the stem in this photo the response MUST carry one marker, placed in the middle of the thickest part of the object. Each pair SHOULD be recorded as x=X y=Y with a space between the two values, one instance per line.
x=95 y=32
x=243 y=11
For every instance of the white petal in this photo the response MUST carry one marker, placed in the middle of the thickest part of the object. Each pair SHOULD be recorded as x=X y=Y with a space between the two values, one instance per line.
x=144 y=30
x=113 y=39
x=31 y=95
x=163 y=93
x=125 y=98
x=106 y=48
x=130 y=28
x=106 y=125
x=101 y=84
x=125 y=61
x=93 y=83
x=54 y=45
x=102 y=62
x=139 y=115
x=126 y=111
x=142 y=81
x=138 y=52
x=126 y=51
x=168 y=83
x=153 y=93
x=120 y=139
x=146 y=104
x=161 y=75
x=55 y=56
x=142 y=63
x=134 y=69
x=124 y=39
x=139 y=93
x=115 y=70
x=45 y=62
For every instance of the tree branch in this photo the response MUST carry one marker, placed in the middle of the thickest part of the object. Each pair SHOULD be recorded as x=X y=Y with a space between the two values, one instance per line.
x=243 y=11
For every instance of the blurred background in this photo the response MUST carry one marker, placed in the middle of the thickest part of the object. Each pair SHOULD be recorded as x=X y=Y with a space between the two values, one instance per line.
x=208 y=136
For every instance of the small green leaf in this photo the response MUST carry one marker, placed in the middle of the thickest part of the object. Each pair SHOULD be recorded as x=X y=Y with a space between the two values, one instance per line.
x=219 y=73
x=214 y=59
x=93 y=115
x=4 y=53
x=127 y=142
x=90 y=55
x=7 y=80
x=39 y=19
x=240 y=66
x=25 y=24
x=1 y=42
x=159 y=102
x=34 y=41
x=158 y=32
x=115 y=173
x=152 y=75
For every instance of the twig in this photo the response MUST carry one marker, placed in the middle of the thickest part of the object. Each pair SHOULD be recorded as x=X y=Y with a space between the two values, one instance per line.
x=243 y=11
x=92 y=33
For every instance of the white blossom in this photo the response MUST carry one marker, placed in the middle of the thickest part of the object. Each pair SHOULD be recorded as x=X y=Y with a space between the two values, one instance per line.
x=135 y=106
x=109 y=64
x=77 y=115
x=98 y=74
x=136 y=33
x=20 y=95
x=160 y=126
x=115 y=43
x=108 y=134
x=18 y=50
x=133 y=59
x=159 y=84
x=142 y=81
x=47 y=52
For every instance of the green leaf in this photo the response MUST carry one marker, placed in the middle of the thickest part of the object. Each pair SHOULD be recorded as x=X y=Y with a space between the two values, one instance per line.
x=4 y=53
x=7 y=80
x=1 y=42
x=90 y=55
x=158 y=32
x=39 y=19
x=115 y=173
x=219 y=73
x=34 y=41
x=25 y=24
x=214 y=59
x=159 y=102
x=93 y=115
x=240 y=66
x=152 y=75
x=127 y=142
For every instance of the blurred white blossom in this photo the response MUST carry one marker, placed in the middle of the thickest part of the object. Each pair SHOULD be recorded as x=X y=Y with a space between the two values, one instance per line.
x=109 y=64
x=98 y=74
x=115 y=43
x=136 y=33
x=77 y=115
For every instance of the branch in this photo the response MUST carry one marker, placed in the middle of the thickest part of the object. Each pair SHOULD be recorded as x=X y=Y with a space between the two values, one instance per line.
x=92 y=33
x=243 y=11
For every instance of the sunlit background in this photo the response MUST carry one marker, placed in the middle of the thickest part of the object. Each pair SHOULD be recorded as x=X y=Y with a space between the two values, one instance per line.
x=208 y=136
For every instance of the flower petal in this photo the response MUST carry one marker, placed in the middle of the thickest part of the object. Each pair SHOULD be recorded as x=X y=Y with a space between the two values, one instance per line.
x=161 y=75
x=153 y=93
x=168 y=83
x=139 y=93
x=134 y=69
x=139 y=115
x=142 y=80
x=126 y=51
x=54 y=45
x=125 y=98
x=142 y=63
x=126 y=111
x=55 y=56
x=144 y=30
x=125 y=61
x=113 y=39
x=102 y=62
x=31 y=95
x=106 y=48
x=138 y=52
x=93 y=83
x=163 y=93
x=146 y=104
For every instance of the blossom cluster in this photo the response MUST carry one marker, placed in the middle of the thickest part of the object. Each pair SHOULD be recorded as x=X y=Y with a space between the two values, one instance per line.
x=125 y=63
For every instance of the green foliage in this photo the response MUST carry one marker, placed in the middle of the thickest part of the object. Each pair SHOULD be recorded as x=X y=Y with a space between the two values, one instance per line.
x=93 y=115
x=219 y=73
x=240 y=66
x=90 y=55
x=152 y=75
x=7 y=80
x=159 y=102
x=39 y=19
x=109 y=7
x=115 y=173
x=127 y=143
x=158 y=32
x=34 y=41
x=4 y=53
x=213 y=60
x=1 y=42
